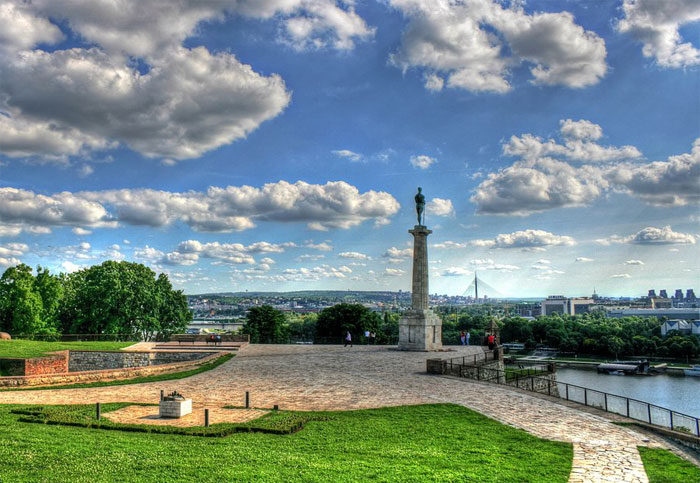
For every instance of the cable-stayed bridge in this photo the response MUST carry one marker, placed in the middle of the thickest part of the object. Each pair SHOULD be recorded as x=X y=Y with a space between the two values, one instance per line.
x=478 y=289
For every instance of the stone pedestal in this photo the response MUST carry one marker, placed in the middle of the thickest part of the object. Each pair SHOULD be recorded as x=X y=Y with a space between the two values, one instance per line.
x=420 y=329
x=174 y=409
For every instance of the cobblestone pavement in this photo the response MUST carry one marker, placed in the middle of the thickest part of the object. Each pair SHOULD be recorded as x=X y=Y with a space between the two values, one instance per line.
x=333 y=377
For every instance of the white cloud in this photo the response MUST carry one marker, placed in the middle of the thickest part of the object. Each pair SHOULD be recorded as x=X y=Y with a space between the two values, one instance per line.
x=312 y=258
x=659 y=236
x=422 y=161
x=463 y=45
x=81 y=231
x=525 y=239
x=449 y=245
x=9 y=252
x=656 y=24
x=397 y=253
x=354 y=255
x=349 y=155
x=393 y=272
x=489 y=264
x=539 y=182
x=440 y=207
x=70 y=267
x=580 y=144
x=267 y=261
x=584 y=259
x=673 y=182
x=634 y=262
x=621 y=275
x=454 y=272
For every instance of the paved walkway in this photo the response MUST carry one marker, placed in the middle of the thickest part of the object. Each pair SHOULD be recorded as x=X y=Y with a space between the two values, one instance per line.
x=334 y=377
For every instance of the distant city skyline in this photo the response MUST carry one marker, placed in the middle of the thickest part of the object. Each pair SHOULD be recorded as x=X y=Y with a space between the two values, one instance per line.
x=277 y=145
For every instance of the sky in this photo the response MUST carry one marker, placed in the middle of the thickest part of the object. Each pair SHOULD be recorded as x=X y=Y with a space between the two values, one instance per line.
x=276 y=145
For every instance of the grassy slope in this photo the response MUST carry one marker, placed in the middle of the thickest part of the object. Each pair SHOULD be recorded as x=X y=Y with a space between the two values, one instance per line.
x=662 y=466
x=410 y=443
x=25 y=349
x=207 y=366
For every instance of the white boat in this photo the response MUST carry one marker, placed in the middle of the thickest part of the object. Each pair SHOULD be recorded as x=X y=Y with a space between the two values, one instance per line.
x=693 y=371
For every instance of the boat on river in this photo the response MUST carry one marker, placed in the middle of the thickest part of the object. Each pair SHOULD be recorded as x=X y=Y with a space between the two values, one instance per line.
x=624 y=367
x=693 y=371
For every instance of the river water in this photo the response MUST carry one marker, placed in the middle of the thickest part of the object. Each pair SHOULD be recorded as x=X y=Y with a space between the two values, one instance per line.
x=678 y=393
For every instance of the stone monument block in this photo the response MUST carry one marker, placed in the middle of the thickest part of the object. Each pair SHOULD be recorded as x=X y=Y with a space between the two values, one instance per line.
x=174 y=406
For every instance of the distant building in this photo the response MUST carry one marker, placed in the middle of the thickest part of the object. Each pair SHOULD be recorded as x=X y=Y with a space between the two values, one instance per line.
x=680 y=325
x=558 y=304
x=652 y=293
x=679 y=294
x=661 y=303
x=690 y=294
x=663 y=294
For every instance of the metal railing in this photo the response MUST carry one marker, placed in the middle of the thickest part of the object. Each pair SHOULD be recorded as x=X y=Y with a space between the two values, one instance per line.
x=613 y=403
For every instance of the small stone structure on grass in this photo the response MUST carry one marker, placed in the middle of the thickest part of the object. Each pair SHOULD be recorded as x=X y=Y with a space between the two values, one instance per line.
x=174 y=405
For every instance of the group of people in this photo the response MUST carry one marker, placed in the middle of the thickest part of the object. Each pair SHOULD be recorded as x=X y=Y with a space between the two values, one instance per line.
x=370 y=338
x=464 y=337
x=215 y=339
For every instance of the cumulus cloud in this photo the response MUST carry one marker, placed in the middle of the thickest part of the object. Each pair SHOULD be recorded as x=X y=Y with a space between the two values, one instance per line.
x=621 y=275
x=525 y=239
x=81 y=231
x=180 y=103
x=489 y=264
x=9 y=253
x=584 y=259
x=454 y=272
x=349 y=155
x=422 y=161
x=539 y=182
x=449 y=245
x=393 y=272
x=579 y=144
x=472 y=45
x=333 y=205
x=394 y=252
x=659 y=236
x=634 y=262
x=440 y=207
x=656 y=25
x=354 y=255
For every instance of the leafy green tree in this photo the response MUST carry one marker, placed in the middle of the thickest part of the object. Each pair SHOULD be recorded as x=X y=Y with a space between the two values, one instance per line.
x=334 y=321
x=21 y=308
x=266 y=325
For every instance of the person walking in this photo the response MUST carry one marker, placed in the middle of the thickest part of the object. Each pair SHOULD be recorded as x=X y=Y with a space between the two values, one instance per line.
x=372 y=338
x=348 y=339
x=462 y=337
x=467 y=337
x=367 y=337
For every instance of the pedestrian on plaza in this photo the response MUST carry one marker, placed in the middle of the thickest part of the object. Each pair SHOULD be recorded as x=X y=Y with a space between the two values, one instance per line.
x=467 y=337
x=218 y=339
x=367 y=337
x=373 y=337
x=491 y=341
x=462 y=337
x=348 y=339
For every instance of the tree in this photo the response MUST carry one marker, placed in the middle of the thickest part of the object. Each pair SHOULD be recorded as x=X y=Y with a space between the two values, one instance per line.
x=265 y=325
x=334 y=321
x=21 y=308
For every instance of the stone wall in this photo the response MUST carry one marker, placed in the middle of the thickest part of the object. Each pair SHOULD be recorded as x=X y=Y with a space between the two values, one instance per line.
x=11 y=367
x=56 y=363
x=105 y=360
x=104 y=375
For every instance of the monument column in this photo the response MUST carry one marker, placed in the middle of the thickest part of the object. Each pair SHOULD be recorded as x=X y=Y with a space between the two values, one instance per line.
x=420 y=329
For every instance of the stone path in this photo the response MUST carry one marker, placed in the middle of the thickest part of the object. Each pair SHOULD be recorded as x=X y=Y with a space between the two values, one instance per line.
x=333 y=377
x=149 y=415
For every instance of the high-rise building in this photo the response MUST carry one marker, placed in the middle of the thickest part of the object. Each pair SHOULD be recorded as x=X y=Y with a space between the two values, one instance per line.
x=690 y=294
x=652 y=293
x=679 y=294
x=663 y=294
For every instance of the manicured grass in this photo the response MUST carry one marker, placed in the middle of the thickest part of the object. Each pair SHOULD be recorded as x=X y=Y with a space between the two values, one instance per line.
x=207 y=366
x=404 y=444
x=24 y=349
x=662 y=466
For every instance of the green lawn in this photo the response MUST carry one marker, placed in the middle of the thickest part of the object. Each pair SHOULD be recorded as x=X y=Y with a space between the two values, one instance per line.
x=662 y=466
x=207 y=366
x=24 y=349
x=429 y=443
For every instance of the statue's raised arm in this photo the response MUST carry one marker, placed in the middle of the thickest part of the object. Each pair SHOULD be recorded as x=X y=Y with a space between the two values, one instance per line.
x=420 y=206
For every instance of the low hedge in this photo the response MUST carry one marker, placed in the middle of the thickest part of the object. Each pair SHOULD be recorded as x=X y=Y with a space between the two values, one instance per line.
x=274 y=422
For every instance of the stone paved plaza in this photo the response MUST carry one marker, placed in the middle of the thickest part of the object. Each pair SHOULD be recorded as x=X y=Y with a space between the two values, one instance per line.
x=309 y=377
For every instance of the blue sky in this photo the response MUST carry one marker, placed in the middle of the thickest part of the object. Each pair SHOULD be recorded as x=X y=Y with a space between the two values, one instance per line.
x=277 y=145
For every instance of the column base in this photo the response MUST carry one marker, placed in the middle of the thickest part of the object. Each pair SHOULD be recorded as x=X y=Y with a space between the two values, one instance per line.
x=420 y=330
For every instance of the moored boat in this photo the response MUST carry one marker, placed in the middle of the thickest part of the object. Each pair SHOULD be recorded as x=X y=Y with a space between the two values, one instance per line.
x=693 y=371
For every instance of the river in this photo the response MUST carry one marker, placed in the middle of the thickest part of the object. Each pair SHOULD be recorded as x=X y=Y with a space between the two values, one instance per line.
x=679 y=393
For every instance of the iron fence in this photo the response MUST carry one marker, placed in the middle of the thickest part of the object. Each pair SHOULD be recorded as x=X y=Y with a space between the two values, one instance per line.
x=613 y=403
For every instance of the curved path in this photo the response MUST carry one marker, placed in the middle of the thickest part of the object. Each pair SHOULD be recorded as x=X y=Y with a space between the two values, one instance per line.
x=335 y=378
